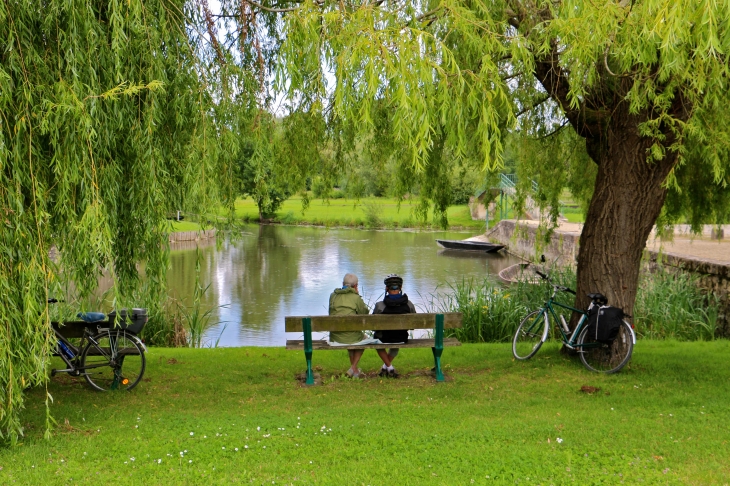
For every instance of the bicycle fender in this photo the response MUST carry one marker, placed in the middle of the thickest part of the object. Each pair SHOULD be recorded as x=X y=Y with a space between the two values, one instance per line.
x=547 y=327
x=633 y=334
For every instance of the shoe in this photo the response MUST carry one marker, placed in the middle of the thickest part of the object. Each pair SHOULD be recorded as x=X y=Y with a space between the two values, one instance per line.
x=393 y=374
x=383 y=373
x=350 y=373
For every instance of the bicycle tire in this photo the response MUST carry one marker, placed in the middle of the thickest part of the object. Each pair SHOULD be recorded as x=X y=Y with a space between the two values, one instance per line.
x=529 y=335
x=606 y=357
x=117 y=362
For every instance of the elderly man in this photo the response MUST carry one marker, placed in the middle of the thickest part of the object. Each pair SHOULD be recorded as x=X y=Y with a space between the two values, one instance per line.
x=346 y=301
x=394 y=302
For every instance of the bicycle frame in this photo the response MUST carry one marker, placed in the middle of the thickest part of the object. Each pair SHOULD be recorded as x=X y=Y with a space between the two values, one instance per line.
x=570 y=342
x=74 y=364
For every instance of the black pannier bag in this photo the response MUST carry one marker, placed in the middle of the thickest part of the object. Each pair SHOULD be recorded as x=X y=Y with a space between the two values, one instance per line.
x=604 y=322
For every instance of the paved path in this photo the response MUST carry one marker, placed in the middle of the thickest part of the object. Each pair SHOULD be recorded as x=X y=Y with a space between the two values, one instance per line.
x=702 y=247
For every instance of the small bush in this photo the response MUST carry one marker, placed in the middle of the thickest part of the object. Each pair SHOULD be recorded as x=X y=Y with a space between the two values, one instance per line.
x=372 y=212
x=288 y=218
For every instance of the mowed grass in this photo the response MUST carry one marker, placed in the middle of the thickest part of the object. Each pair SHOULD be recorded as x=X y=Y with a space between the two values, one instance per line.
x=367 y=212
x=352 y=212
x=239 y=415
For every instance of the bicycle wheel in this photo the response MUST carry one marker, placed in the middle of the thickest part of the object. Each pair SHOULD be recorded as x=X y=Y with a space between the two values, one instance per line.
x=606 y=357
x=113 y=360
x=529 y=335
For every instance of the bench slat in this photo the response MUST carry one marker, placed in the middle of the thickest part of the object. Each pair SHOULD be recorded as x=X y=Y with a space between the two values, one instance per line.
x=297 y=344
x=366 y=322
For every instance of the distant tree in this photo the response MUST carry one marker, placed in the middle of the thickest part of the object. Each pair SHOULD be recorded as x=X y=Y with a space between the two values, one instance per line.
x=257 y=170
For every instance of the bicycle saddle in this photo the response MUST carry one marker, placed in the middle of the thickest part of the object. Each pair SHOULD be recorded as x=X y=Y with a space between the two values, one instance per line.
x=91 y=316
x=598 y=298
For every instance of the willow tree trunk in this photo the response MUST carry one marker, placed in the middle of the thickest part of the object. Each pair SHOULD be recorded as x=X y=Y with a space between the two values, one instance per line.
x=628 y=196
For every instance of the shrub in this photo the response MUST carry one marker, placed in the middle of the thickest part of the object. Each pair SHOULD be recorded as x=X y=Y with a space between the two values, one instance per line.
x=372 y=212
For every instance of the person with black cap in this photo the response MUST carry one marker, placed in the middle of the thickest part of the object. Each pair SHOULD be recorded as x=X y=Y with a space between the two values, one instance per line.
x=394 y=302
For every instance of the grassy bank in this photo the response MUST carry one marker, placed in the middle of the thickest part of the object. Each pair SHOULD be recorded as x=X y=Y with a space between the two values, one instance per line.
x=239 y=415
x=367 y=212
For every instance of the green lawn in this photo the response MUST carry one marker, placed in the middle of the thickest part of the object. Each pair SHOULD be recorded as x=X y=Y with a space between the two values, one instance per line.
x=180 y=226
x=348 y=212
x=239 y=415
x=351 y=212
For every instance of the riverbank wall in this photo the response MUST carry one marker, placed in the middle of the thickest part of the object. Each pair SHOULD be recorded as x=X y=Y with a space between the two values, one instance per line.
x=526 y=240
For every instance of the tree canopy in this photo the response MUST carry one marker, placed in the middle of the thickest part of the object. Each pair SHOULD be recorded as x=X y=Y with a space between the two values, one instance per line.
x=114 y=113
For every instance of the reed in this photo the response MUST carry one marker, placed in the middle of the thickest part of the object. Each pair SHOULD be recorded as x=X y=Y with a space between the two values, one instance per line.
x=668 y=305
x=672 y=305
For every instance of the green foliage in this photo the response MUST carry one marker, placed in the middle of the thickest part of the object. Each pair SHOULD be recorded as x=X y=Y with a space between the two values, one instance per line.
x=491 y=313
x=671 y=305
x=103 y=131
x=668 y=306
x=256 y=168
x=373 y=214
x=469 y=79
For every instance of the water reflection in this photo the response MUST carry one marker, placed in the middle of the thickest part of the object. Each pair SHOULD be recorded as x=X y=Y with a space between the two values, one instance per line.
x=270 y=272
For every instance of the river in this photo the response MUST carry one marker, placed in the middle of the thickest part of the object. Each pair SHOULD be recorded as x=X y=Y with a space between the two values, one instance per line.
x=274 y=271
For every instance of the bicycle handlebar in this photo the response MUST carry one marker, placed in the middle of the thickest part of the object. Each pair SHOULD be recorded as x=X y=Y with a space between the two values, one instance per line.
x=557 y=287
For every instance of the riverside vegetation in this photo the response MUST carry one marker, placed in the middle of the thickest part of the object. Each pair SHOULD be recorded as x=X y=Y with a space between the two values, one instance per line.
x=669 y=306
x=217 y=416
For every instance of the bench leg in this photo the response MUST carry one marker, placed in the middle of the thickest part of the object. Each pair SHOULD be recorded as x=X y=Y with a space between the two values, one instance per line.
x=307 y=327
x=437 y=363
x=310 y=373
x=439 y=346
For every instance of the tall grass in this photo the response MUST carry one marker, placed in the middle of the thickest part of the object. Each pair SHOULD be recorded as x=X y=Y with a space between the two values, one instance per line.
x=668 y=305
x=181 y=325
x=671 y=305
x=489 y=311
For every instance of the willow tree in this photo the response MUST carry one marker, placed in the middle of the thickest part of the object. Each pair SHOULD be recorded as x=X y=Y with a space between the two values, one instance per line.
x=104 y=129
x=643 y=84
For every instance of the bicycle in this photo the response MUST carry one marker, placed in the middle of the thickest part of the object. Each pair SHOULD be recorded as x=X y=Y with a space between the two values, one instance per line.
x=110 y=358
x=600 y=356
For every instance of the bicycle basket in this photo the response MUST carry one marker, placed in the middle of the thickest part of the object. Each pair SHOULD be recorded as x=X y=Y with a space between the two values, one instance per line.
x=132 y=321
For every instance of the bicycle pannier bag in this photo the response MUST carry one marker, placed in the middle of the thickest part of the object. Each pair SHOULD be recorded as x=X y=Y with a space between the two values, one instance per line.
x=604 y=322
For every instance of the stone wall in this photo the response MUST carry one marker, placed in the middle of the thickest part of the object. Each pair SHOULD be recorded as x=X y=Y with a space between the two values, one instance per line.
x=526 y=240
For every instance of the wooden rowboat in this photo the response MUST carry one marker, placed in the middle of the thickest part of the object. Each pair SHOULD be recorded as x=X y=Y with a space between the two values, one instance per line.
x=470 y=245
x=518 y=272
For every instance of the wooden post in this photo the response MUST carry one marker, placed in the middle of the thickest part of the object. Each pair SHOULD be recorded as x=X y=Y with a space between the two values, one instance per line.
x=307 y=326
x=439 y=346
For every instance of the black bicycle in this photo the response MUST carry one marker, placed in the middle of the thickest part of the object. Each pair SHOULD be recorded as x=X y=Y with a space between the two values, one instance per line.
x=109 y=355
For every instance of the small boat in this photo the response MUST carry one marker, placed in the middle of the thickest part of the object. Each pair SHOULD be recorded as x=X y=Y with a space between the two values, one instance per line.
x=518 y=273
x=470 y=245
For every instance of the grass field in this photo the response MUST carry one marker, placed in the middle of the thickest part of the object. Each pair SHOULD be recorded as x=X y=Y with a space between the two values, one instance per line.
x=367 y=212
x=218 y=416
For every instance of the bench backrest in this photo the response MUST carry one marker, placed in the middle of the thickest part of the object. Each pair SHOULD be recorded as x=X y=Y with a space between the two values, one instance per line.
x=367 y=322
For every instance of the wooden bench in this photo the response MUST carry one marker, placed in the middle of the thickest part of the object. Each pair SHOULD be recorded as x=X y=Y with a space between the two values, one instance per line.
x=373 y=322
